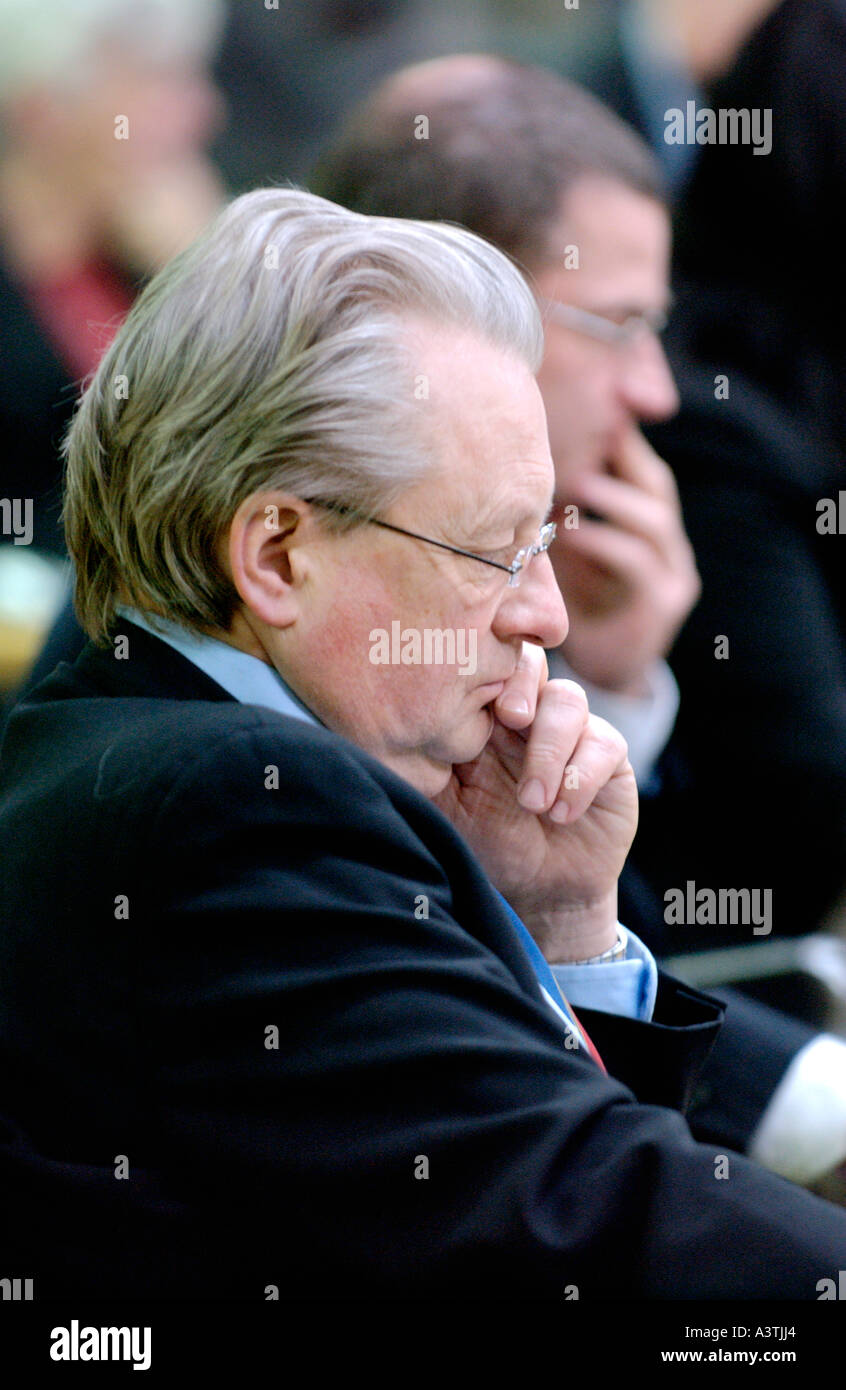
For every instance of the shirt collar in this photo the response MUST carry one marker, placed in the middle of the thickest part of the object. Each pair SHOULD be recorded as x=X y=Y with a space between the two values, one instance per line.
x=246 y=678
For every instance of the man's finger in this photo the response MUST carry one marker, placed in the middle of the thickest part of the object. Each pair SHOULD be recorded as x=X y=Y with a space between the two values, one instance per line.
x=620 y=553
x=599 y=754
x=632 y=510
x=556 y=729
x=636 y=462
x=516 y=704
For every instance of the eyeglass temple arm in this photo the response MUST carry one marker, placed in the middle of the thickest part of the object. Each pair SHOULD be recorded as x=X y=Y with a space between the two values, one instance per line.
x=453 y=549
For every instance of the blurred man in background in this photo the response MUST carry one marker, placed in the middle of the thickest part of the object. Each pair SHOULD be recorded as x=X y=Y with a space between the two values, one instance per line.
x=549 y=175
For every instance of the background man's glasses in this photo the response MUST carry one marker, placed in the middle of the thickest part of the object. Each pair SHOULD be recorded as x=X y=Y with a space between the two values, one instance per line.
x=605 y=330
x=546 y=536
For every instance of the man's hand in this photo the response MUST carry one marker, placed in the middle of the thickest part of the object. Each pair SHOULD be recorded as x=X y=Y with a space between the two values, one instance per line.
x=629 y=580
x=550 y=808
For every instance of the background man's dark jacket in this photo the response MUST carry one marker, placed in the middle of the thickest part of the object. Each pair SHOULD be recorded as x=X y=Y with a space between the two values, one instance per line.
x=758 y=280
x=164 y=908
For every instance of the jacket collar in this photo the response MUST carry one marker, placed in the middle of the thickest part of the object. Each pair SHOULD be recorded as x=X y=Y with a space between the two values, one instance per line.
x=133 y=664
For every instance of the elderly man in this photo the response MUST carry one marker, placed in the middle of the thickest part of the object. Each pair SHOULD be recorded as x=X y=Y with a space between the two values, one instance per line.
x=296 y=1013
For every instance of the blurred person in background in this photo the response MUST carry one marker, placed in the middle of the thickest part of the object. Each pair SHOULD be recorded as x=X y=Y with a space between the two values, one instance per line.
x=106 y=112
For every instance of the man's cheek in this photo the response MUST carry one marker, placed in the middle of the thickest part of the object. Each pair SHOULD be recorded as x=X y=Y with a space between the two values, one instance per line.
x=347 y=633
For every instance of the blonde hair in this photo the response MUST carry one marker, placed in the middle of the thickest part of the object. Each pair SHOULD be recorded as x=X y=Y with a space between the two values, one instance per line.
x=267 y=356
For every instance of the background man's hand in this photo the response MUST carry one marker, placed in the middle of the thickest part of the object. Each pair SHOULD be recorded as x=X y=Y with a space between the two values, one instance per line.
x=557 y=859
x=629 y=580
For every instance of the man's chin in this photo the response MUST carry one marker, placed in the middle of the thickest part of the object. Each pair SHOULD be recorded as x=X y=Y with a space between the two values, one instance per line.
x=472 y=742
x=430 y=768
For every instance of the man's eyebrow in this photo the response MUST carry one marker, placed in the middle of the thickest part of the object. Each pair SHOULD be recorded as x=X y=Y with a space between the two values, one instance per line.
x=506 y=520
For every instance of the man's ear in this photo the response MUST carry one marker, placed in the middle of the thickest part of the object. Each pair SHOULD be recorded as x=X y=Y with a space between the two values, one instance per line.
x=266 y=554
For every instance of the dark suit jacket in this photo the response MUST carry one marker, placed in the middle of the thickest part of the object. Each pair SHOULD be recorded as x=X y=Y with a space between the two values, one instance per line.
x=756 y=1044
x=164 y=908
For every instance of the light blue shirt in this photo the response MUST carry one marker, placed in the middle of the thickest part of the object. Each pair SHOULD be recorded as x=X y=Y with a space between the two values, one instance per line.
x=627 y=987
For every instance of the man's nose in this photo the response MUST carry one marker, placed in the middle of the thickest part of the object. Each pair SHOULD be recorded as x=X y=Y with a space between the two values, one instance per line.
x=646 y=381
x=535 y=610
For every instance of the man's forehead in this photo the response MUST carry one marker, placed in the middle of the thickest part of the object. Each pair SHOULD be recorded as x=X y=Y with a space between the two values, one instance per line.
x=484 y=414
x=512 y=491
x=608 y=233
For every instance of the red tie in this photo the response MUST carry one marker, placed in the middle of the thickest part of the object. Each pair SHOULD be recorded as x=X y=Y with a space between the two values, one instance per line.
x=582 y=1029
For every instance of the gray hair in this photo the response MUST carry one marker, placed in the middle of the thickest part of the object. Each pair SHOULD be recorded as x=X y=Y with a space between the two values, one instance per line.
x=267 y=356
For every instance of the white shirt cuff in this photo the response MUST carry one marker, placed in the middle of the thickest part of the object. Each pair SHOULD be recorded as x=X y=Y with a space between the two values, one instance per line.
x=802 y=1133
x=645 y=721
x=627 y=987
